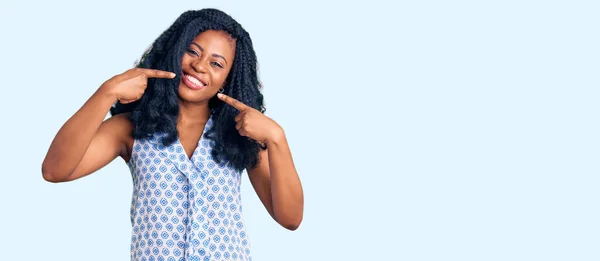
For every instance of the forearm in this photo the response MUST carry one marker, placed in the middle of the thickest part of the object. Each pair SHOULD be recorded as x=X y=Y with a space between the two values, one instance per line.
x=286 y=188
x=74 y=137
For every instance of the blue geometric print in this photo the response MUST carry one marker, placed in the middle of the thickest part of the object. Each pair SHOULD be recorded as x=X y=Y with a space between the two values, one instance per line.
x=185 y=209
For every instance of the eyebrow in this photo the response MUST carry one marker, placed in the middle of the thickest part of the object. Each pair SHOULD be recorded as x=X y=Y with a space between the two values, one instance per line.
x=214 y=54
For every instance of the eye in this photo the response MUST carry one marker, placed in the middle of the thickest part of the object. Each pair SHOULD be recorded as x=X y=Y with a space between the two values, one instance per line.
x=193 y=52
x=217 y=64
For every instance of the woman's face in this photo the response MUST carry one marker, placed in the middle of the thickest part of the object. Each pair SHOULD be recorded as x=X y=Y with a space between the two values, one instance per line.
x=205 y=66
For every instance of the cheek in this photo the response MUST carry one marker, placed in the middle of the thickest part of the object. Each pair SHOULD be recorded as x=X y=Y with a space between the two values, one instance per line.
x=225 y=74
x=185 y=60
x=220 y=77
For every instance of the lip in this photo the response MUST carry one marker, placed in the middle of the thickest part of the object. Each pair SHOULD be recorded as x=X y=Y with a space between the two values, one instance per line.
x=191 y=84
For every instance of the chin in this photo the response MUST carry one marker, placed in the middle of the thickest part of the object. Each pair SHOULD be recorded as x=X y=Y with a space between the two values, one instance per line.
x=196 y=96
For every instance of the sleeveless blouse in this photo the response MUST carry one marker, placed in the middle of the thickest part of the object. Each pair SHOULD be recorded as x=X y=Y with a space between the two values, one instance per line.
x=182 y=208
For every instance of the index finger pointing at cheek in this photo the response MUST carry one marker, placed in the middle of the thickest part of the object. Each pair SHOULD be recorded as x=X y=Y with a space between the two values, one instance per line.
x=151 y=73
x=233 y=102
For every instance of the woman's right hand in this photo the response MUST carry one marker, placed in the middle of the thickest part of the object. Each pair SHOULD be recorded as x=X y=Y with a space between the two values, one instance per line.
x=131 y=85
x=87 y=142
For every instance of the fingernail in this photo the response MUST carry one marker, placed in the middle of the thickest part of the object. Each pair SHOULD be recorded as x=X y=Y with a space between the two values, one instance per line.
x=173 y=74
x=219 y=95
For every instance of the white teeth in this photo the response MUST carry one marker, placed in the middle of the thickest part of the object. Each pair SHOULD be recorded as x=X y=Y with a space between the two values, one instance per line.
x=194 y=80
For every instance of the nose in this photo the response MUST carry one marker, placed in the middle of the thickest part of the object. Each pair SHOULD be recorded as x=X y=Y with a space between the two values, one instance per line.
x=199 y=65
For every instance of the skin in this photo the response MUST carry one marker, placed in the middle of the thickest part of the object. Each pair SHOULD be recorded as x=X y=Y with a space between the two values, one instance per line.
x=86 y=143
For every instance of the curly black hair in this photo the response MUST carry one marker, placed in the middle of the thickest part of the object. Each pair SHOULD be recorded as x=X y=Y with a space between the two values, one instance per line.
x=158 y=109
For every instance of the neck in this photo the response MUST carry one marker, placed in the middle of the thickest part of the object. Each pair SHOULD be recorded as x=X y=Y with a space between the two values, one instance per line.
x=193 y=113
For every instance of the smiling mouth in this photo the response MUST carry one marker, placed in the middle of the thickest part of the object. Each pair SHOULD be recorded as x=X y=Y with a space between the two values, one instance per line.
x=193 y=82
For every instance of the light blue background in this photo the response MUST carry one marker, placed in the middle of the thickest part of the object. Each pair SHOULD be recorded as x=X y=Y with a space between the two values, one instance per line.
x=422 y=130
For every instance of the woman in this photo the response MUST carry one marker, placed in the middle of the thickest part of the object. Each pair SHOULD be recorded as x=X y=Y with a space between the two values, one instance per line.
x=187 y=121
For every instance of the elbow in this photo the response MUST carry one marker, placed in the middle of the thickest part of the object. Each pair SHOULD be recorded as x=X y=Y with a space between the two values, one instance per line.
x=289 y=218
x=291 y=224
x=50 y=176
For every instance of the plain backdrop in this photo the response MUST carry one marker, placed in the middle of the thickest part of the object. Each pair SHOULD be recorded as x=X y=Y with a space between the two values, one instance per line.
x=422 y=130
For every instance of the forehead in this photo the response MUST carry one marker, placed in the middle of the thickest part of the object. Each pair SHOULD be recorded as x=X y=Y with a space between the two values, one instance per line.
x=216 y=40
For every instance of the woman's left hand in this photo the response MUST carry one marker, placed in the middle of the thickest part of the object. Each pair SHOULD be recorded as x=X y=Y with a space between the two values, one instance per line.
x=252 y=123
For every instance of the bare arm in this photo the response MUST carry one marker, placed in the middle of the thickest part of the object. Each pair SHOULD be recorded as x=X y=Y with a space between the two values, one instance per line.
x=85 y=143
x=277 y=184
x=75 y=136
x=275 y=179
